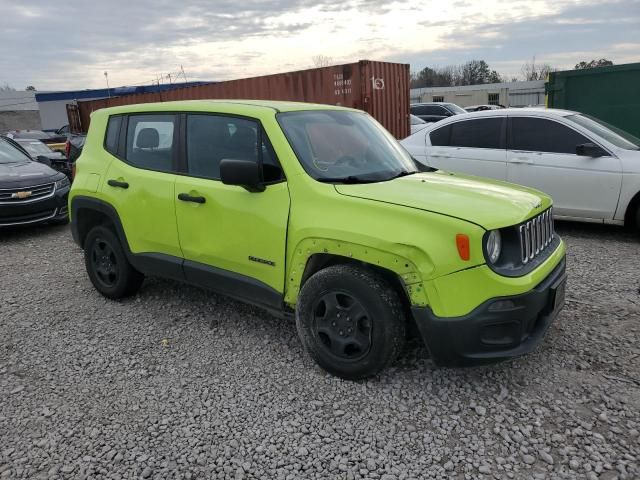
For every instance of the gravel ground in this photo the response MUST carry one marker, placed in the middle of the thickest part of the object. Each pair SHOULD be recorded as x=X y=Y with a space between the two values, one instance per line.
x=143 y=388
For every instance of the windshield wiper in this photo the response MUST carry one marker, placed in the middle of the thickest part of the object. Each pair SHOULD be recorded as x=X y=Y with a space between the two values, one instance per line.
x=348 y=179
x=402 y=173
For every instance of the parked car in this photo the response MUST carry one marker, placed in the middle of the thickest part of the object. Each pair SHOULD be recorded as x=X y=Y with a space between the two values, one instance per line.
x=591 y=169
x=55 y=141
x=480 y=108
x=63 y=130
x=74 y=145
x=317 y=211
x=417 y=124
x=30 y=192
x=42 y=153
x=434 y=112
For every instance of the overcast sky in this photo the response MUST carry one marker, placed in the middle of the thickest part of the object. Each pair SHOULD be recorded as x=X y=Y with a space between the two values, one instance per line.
x=70 y=44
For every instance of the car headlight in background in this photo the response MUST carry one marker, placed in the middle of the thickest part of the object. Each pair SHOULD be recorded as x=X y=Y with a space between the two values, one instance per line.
x=63 y=182
x=493 y=246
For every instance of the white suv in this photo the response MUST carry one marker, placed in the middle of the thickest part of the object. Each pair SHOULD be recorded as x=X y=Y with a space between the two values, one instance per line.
x=590 y=168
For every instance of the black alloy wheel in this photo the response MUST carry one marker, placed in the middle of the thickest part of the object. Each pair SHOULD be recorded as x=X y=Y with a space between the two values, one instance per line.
x=104 y=262
x=342 y=325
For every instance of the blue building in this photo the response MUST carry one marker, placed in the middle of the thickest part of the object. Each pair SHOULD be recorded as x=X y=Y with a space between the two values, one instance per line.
x=53 y=105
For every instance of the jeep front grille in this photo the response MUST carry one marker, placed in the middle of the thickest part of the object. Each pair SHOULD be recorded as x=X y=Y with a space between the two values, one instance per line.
x=536 y=235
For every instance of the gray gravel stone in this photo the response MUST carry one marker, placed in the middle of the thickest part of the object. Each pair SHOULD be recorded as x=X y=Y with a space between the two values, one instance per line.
x=143 y=386
x=546 y=457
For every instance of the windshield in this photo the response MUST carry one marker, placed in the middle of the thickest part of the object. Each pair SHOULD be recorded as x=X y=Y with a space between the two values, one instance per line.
x=455 y=108
x=34 y=147
x=611 y=134
x=343 y=146
x=10 y=154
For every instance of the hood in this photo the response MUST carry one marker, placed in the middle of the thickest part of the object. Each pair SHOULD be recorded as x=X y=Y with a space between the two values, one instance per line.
x=26 y=174
x=488 y=203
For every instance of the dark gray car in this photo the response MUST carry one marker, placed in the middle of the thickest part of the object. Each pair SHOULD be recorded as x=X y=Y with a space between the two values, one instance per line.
x=434 y=112
x=30 y=192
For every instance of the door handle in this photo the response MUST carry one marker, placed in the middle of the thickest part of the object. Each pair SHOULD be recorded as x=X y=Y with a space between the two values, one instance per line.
x=118 y=184
x=185 y=197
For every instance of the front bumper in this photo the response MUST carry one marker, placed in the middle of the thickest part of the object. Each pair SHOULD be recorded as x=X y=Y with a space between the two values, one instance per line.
x=499 y=329
x=52 y=208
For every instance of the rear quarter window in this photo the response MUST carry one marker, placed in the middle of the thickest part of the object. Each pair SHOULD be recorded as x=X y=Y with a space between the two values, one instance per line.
x=440 y=136
x=113 y=134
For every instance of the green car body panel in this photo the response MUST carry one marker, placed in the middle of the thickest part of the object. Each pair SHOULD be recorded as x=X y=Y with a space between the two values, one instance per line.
x=407 y=225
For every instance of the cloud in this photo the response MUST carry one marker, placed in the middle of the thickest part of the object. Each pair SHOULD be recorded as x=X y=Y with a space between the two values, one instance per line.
x=66 y=45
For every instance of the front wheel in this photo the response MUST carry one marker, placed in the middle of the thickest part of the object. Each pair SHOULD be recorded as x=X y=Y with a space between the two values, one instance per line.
x=107 y=265
x=350 y=321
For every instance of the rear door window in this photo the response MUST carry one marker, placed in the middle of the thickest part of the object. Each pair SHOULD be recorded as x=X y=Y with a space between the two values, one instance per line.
x=478 y=133
x=542 y=135
x=150 y=140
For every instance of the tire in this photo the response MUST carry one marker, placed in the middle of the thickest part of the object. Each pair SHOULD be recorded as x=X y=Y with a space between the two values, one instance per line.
x=107 y=265
x=350 y=321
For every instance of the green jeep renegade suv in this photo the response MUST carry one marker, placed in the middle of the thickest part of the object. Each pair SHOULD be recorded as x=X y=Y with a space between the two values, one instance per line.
x=317 y=211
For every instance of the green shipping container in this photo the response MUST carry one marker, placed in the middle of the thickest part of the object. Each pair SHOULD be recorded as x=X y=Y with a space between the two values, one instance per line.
x=611 y=94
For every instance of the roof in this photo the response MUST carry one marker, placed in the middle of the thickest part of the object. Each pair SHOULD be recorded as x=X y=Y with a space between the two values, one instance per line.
x=422 y=104
x=538 y=112
x=530 y=85
x=17 y=100
x=111 y=92
x=205 y=105
x=545 y=112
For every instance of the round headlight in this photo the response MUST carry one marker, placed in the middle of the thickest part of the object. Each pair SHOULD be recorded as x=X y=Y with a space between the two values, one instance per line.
x=494 y=246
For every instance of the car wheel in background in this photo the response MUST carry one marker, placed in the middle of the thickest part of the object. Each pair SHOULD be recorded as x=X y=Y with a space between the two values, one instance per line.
x=350 y=321
x=107 y=265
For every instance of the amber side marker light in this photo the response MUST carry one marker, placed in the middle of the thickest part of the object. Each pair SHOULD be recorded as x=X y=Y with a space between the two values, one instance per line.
x=462 y=242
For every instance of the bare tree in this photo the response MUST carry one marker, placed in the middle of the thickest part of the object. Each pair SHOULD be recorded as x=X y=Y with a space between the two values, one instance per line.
x=7 y=88
x=533 y=71
x=321 y=61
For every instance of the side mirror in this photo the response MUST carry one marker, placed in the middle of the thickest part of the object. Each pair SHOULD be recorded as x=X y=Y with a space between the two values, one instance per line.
x=243 y=173
x=590 y=150
x=44 y=160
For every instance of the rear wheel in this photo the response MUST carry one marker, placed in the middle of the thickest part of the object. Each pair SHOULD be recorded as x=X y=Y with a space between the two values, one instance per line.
x=107 y=265
x=350 y=321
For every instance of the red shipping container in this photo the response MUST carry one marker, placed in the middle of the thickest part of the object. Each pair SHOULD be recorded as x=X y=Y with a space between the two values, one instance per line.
x=379 y=88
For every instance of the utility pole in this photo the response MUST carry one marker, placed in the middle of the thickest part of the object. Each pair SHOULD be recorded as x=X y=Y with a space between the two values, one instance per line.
x=106 y=77
x=169 y=77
